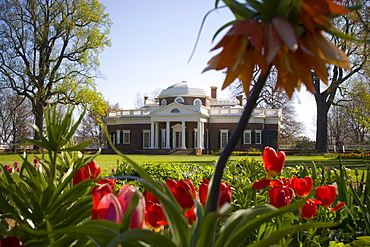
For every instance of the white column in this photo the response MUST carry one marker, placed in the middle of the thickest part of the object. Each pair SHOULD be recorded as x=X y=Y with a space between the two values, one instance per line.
x=152 y=135
x=156 y=135
x=200 y=134
x=118 y=138
x=183 y=135
x=168 y=135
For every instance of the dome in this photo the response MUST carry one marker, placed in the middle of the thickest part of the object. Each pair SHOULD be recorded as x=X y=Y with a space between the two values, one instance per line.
x=182 y=89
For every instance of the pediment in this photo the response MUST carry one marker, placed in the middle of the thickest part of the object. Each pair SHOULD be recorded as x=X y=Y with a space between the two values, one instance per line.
x=174 y=109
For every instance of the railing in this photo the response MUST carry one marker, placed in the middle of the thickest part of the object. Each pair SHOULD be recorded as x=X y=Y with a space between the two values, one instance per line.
x=129 y=113
x=272 y=113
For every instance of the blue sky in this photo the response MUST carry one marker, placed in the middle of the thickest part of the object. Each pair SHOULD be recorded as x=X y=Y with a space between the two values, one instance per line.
x=151 y=45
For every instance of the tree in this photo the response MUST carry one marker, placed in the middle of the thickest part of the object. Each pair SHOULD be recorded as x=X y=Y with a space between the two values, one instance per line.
x=138 y=100
x=49 y=49
x=356 y=24
x=349 y=119
x=15 y=113
x=93 y=129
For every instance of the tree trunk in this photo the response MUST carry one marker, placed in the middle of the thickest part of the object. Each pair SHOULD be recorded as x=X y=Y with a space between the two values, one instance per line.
x=323 y=103
x=39 y=120
x=321 y=124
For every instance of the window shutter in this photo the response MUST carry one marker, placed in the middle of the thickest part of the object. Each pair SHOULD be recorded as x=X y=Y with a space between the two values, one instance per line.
x=141 y=139
x=219 y=139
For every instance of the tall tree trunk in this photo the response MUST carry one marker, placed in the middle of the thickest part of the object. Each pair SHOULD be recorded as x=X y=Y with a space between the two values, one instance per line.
x=39 y=119
x=323 y=102
x=321 y=123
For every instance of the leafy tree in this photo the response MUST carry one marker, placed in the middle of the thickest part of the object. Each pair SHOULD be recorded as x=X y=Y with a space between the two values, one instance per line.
x=49 y=49
x=356 y=24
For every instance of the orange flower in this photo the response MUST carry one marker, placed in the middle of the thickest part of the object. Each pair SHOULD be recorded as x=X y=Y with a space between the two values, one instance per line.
x=241 y=51
x=316 y=13
x=275 y=40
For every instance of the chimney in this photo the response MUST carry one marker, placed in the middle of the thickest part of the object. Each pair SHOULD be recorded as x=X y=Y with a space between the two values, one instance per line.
x=214 y=92
x=145 y=99
x=240 y=98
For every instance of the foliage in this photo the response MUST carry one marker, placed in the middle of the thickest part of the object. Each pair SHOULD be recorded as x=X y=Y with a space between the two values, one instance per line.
x=52 y=58
x=39 y=197
x=304 y=144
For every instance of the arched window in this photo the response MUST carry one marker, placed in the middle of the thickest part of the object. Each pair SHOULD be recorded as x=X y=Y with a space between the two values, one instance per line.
x=197 y=102
x=164 y=102
x=179 y=100
x=175 y=110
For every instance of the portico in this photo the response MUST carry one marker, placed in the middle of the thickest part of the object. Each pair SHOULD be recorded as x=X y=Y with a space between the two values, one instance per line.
x=173 y=136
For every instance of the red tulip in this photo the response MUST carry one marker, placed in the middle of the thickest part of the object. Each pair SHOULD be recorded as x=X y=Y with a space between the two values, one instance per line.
x=336 y=208
x=90 y=171
x=326 y=194
x=309 y=210
x=260 y=184
x=149 y=197
x=8 y=168
x=225 y=192
x=124 y=197
x=10 y=242
x=191 y=216
x=154 y=214
x=109 y=208
x=280 y=193
x=274 y=162
x=110 y=181
x=184 y=192
x=97 y=194
x=302 y=187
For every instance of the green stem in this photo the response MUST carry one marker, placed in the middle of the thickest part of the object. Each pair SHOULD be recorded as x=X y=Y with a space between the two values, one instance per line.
x=213 y=196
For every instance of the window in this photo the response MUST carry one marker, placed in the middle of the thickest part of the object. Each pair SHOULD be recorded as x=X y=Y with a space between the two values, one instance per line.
x=146 y=138
x=224 y=137
x=164 y=102
x=197 y=102
x=247 y=137
x=175 y=110
x=258 y=136
x=126 y=136
x=179 y=100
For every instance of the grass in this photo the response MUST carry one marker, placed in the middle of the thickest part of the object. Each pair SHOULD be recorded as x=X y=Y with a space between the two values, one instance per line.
x=109 y=161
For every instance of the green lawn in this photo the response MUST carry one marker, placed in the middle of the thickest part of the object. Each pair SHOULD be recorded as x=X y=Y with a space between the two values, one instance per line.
x=109 y=161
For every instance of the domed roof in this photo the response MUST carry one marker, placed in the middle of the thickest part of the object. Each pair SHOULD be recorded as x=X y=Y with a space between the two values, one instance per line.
x=182 y=89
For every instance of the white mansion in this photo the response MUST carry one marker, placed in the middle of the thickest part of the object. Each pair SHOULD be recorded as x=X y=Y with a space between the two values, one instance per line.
x=184 y=117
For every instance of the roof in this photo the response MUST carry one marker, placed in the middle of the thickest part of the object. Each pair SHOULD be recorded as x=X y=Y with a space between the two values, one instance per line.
x=182 y=89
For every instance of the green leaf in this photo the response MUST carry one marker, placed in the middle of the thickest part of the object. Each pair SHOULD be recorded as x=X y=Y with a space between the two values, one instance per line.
x=77 y=147
x=239 y=219
x=239 y=10
x=280 y=233
x=151 y=238
x=238 y=237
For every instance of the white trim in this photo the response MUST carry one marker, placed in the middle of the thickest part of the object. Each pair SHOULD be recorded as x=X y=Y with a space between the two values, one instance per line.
x=146 y=132
x=223 y=142
x=245 y=139
x=126 y=132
